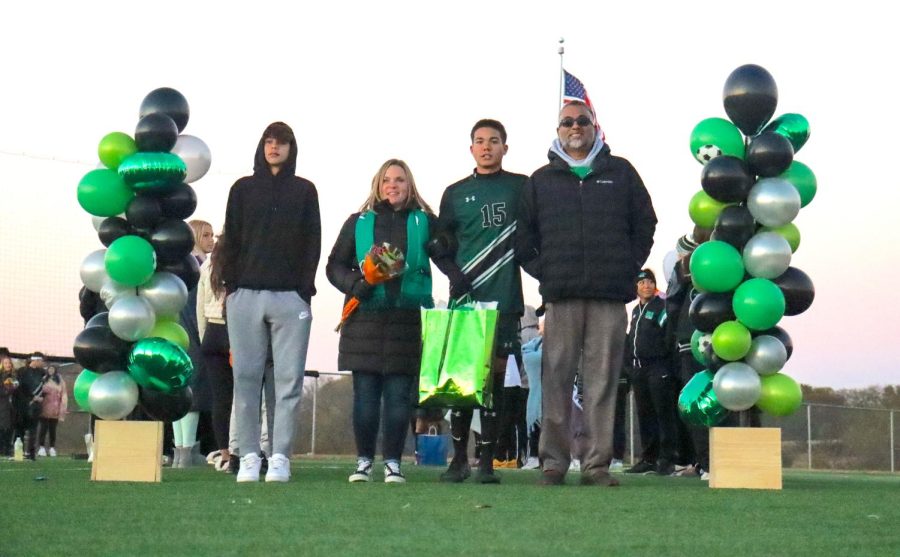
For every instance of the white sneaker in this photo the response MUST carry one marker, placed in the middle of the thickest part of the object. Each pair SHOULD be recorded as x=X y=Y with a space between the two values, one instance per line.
x=616 y=465
x=214 y=458
x=575 y=465
x=531 y=463
x=363 y=471
x=392 y=473
x=249 y=471
x=52 y=452
x=279 y=469
x=704 y=476
x=42 y=452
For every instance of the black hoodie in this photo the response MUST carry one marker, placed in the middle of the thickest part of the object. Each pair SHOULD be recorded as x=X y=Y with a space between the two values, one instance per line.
x=273 y=231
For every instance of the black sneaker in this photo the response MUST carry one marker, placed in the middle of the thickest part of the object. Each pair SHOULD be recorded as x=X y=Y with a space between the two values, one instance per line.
x=641 y=467
x=486 y=477
x=264 y=464
x=457 y=472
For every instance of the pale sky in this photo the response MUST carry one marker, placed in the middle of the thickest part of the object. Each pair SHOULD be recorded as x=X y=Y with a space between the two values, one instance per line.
x=363 y=83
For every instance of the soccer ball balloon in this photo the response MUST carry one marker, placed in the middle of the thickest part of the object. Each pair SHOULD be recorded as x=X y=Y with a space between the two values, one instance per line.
x=707 y=153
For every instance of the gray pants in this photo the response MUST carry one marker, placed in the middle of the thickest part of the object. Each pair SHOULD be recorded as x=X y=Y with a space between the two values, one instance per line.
x=594 y=330
x=267 y=410
x=256 y=319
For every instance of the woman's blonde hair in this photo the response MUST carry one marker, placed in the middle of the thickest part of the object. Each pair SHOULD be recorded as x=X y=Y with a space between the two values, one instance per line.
x=197 y=226
x=414 y=201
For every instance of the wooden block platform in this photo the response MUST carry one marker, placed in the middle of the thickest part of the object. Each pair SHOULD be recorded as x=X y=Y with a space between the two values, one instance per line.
x=127 y=451
x=745 y=457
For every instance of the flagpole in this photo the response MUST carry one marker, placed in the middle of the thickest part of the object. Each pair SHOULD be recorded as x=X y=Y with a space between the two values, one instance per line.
x=562 y=78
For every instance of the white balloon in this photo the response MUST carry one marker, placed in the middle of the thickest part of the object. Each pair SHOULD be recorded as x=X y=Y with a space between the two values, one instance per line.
x=131 y=318
x=113 y=395
x=93 y=270
x=767 y=255
x=166 y=293
x=737 y=386
x=195 y=154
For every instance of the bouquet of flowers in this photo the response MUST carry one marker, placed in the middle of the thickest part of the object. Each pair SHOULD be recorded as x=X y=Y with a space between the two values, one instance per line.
x=381 y=264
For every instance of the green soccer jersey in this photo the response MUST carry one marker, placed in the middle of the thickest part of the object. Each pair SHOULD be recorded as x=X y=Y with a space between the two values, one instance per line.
x=480 y=211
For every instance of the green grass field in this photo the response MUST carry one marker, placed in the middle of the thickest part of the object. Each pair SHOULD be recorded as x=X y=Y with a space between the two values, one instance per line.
x=52 y=508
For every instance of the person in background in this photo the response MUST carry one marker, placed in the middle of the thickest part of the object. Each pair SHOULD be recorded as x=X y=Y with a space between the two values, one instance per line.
x=8 y=385
x=54 y=407
x=381 y=342
x=477 y=225
x=27 y=402
x=586 y=225
x=274 y=239
x=187 y=449
x=532 y=351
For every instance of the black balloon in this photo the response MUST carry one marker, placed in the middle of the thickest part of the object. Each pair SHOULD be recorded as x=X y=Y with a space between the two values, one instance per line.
x=769 y=154
x=726 y=179
x=167 y=101
x=734 y=225
x=709 y=310
x=750 y=97
x=99 y=349
x=111 y=229
x=143 y=211
x=98 y=320
x=167 y=407
x=781 y=335
x=179 y=202
x=186 y=268
x=172 y=239
x=798 y=290
x=156 y=132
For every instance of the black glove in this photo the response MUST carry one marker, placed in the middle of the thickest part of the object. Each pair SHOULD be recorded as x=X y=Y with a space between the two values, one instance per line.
x=460 y=285
x=362 y=289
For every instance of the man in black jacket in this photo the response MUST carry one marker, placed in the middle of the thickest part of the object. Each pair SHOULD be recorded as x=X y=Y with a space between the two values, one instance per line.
x=585 y=228
x=273 y=240
x=649 y=358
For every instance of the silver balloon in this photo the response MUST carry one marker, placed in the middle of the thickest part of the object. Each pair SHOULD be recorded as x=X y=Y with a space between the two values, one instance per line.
x=767 y=255
x=93 y=270
x=773 y=201
x=112 y=291
x=737 y=386
x=113 y=395
x=767 y=355
x=195 y=154
x=131 y=318
x=165 y=292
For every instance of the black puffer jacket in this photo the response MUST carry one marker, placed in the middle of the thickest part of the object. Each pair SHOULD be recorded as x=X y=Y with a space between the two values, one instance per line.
x=585 y=238
x=387 y=341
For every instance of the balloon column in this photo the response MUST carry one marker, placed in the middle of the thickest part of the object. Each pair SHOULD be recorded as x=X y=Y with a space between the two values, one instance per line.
x=139 y=197
x=752 y=189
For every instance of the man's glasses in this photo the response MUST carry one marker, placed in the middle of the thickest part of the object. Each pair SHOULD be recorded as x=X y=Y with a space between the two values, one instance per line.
x=582 y=121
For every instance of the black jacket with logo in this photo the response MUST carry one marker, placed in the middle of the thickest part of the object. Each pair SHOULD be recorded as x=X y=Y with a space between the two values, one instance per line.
x=585 y=238
x=646 y=343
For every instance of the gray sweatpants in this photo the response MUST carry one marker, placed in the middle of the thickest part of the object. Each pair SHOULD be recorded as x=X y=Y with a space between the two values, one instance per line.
x=257 y=318
x=596 y=330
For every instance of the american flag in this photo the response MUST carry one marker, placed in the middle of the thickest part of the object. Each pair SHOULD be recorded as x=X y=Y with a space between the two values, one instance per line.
x=574 y=91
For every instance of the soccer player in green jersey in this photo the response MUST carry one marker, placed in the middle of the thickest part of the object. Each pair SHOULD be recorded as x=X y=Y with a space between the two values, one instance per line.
x=478 y=217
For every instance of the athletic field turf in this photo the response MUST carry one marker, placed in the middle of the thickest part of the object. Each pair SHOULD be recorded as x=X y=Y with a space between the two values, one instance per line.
x=52 y=508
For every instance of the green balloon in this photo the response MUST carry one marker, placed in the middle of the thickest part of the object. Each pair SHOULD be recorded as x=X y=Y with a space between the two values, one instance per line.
x=716 y=267
x=789 y=232
x=156 y=363
x=802 y=177
x=720 y=133
x=82 y=387
x=103 y=193
x=699 y=341
x=779 y=395
x=704 y=210
x=794 y=127
x=171 y=331
x=731 y=341
x=697 y=402
x=114 y=148
x=153 y=172
x=130 y=260
x=758 y=303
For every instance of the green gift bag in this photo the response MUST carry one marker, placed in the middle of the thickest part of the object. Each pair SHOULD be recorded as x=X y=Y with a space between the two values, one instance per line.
x=457 y=349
